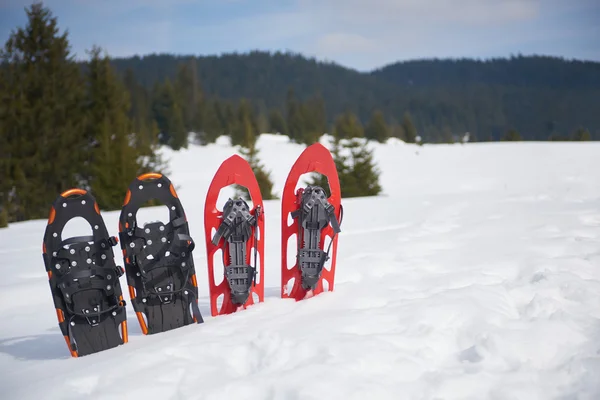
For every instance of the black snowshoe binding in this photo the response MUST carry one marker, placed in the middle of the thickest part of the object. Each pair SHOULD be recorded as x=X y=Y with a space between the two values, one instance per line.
x=236 y=230
x=84 y=278
x=315 y=213
x=158 y=259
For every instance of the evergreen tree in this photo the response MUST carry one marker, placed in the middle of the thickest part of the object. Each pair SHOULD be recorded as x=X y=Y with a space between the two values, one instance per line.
x=114 y=158
x=314 y=120
x=447 y=135
x=363 y=174
x=397 y=131
x=357 y=171
x=227 y=116
x=3 y=217
x=342 y=166
x=5 y=152
x=169 y=116
x=347 y=126
x=277 y=123
x=42 y=121
x=140 y=111
x=557 y=137
x=247 y=129
x=188 y=93
x=410 y=132
x=211 y=127
x=377 y=128
x=145 y=129
x=511 y=136
x=295 y=122
x=581 y=134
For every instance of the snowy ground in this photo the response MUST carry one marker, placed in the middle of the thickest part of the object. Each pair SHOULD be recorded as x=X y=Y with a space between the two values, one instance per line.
x=475 y=276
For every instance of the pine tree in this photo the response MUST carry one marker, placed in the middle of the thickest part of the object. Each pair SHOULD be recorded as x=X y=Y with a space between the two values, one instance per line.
x=169 y=116
x=581 y=134
x=511 y=136
x=114 y=157
x=397 y=131
x=314 y=120
x=447 y=135
x=363 y=179
x=140 y=111
x=342 y=166
x=241 y=134
x=347 y=126
x=277 y=123
x=3 y=217
x=188 y=93
x=227 y=116
x=357 y=171
x=144 y=127
x=211 y=127
x=294 y=117
x=42 y=121
x=410 y=132
x=247 y=128
x=5 y=152
x=377 y=129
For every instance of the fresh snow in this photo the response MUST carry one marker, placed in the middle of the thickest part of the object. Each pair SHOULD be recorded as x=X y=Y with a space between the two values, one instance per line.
x=475 y=275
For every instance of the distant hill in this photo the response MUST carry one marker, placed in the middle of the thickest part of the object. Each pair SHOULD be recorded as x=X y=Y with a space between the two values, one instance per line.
x=531 y=72
x=537 y=96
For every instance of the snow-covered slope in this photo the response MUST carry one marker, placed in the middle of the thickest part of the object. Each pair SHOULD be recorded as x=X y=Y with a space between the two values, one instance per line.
x=476 y=275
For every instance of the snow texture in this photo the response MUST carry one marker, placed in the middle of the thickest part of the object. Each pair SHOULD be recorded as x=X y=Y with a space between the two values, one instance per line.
x=476 y=275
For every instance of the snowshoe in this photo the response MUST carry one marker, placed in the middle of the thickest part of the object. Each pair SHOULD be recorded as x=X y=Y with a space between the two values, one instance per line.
x=158 y=259
x=83 y=277
x=315 y=217
x=239 y=233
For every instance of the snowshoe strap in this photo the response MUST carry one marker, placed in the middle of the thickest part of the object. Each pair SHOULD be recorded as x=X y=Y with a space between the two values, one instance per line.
x=315 y=213
x=71 y=280
x=195 y=309
x=161 y=246
x=236 y=230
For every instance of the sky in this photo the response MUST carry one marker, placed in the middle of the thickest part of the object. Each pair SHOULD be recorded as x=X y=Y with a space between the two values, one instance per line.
x=358 y=34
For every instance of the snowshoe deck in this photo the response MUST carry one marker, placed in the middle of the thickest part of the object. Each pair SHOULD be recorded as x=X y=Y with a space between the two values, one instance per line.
x=158 y=258
x=239 y=232
x=83 y=277
x=315 y=217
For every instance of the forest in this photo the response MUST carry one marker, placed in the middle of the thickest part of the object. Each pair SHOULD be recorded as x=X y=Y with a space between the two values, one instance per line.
x=95 y=124
x=542 y=98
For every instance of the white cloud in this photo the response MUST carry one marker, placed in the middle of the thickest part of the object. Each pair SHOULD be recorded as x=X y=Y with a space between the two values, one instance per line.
x=473 y=12
x=336 y=44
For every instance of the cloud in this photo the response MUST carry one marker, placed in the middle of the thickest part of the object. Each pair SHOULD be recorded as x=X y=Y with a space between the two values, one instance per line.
x=473 y=12
x=336 y=44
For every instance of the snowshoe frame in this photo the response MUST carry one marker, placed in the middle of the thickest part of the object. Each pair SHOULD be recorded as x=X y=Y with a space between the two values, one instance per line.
x=83 y=277
x=315 y=158
x=248 y=233
x=158 y=258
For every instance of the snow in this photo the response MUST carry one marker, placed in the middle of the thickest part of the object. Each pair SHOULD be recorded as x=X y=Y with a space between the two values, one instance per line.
x=476 y=275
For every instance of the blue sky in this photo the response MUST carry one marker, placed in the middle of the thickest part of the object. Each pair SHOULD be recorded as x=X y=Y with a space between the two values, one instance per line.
x=359 y=34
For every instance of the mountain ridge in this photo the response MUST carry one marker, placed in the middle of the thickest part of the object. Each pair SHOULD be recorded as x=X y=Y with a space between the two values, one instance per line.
x=538 y=95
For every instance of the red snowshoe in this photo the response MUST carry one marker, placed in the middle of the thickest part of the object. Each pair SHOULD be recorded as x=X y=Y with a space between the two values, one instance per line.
x=240 y=233
x=315 y=217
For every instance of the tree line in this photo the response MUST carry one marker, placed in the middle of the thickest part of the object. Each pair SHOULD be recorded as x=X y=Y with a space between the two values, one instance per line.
x=543 y=98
